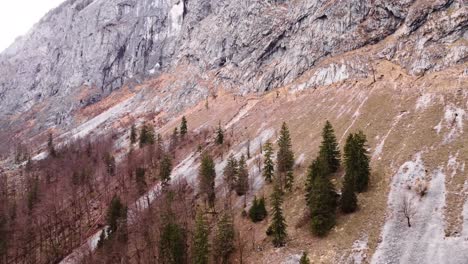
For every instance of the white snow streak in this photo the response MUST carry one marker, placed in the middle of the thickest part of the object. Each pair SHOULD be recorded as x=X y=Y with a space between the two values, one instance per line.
x=245 y=109
x=379 y=147
x=424 y=241
x=424 y=101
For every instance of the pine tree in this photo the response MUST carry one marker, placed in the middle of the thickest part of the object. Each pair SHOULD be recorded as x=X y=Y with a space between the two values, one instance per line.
x=318 y=168
x=268 y=167
x=257 y=211
x=116 y=215
x=322 y=203
x=242 y=181
x=165 y=169
x=289 y=180
x=206 y=177
x=51 y=147
x=201 y=247
x=230 y=172
x=278 y=226
x=329 y=150
x=219 y=135
x=102 y=239
x=304 y=259
x=285 y=156
x=172 y=243
x=348 y=201
x=253 y=210
x=363 y=160
x=133 y=135
x=183 y=127
x=224 y=239
x=146 y=135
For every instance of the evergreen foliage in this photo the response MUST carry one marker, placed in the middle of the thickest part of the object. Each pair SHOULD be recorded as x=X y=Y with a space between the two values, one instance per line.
x=172 y=243
x=357 y=160
x=318 y=168
x=206 y=177
x=285 y=157
x=51 y=147
x=116 y=215
x=257 y=211
x=102 y=239
x=289 y=180
x=219 y=135
x=133 y=135
x=165 y=169
x=230 y=172
x=322 y=203
x=329 y=149
x=268 y=166
x=146 y=135
x=223 y=244
x=348 y=200
x=183 y=127
x=277 y=229
x=242 y=181
x=201 y=247
x=304 y=259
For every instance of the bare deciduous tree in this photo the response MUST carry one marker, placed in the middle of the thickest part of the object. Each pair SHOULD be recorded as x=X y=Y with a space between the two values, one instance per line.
x=407 y=209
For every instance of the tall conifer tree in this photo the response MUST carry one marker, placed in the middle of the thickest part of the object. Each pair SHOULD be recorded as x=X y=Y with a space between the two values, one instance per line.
x=172 y=243
x=329 y=149
x=183 y=127
x=223 y=244
x=322 y=203
x=230 y=172
x=165 y=169
x=242 y=182
x=133 y=135
x=268 y=166
x=285 y=156
x=201 y=247
x=206 y=177
x=278 y=225
x=219 y=135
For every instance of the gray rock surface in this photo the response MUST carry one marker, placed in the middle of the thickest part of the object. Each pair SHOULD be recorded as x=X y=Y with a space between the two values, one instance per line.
x=82 y=51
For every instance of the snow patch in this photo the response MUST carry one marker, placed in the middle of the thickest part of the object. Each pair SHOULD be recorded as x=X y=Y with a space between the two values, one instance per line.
x=424 y=241
x=356 y=114
x=177 y=16
x=90 y=125
x=379 y=147
x=424 y=101
x=292 y=259
x=358 y=253
x=453 y=120
x=243 y=112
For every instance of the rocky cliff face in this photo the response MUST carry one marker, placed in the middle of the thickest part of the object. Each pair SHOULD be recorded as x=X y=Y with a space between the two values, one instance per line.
x=84 y=50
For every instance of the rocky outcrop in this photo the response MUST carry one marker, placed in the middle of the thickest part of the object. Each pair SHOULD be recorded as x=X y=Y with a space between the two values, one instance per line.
x=84 y=50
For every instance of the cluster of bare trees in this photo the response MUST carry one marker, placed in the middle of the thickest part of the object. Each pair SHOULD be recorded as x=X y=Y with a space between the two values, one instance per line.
x=60 y=201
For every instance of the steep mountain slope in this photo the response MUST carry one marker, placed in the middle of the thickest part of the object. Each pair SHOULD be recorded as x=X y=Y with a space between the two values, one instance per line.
x=395 y=69
x=83 y=50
